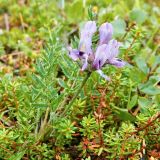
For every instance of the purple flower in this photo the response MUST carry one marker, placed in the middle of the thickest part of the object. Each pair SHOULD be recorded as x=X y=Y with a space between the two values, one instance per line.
x=105 y=33
x=100 y=56
x=86 y=37
x=85 y=44
x=106 y=52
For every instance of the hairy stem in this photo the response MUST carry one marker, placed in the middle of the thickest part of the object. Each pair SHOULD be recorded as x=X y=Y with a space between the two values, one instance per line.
x=44 y=124
x=76 y=94
x=64 y=102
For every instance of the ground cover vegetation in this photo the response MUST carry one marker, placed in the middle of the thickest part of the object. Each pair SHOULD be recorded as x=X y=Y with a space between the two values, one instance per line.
x=53 y=107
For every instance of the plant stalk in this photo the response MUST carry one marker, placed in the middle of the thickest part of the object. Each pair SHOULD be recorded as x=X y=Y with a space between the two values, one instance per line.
x=76 y=94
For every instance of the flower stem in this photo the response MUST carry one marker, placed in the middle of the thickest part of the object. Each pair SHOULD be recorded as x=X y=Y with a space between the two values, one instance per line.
x=76 y=94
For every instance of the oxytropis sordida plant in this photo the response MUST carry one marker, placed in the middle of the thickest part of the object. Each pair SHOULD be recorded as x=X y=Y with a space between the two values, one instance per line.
x=105 y=53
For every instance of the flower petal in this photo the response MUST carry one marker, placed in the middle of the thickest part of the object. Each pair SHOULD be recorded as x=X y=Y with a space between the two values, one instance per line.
x=100 y=72
x=114 y=49
x=100 y=56
x=117 y=62
x=85 y=64
x=73 y=53
x=106 y=32
x=90 y=26
x=86 y=37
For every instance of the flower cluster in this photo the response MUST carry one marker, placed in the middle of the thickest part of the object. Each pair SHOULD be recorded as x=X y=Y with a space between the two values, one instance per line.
x=106 y=51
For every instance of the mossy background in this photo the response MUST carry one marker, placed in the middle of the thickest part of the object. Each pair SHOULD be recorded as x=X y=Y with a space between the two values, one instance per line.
x=119 y=119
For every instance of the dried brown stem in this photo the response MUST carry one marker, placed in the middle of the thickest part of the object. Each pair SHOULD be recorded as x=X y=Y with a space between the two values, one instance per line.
x=6 y=21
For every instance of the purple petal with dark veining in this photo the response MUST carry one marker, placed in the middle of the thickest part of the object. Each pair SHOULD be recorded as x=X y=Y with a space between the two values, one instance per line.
x=73 y=53
x=86 y=37
x=106 y=32
x=106 y=53
x=100 y=56
x=117 y=62
x=85 y=64
x=113 y=49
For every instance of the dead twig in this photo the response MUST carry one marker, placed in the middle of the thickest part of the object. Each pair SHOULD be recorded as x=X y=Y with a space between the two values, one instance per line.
x=6 y=21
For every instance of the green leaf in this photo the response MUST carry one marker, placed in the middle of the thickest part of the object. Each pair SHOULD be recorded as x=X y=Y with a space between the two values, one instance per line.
x=41 y=105
x=132 y=102
x=142 y=65
x=144 y=103
x=38 y=80
x=100 y=151
x=62 y=83
x=123 y=114
x=40 y=68
x=17 y=156
x=149 y=88
x=119 y=26
x=138 y=15
x=154 y=79
x=137 y=75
